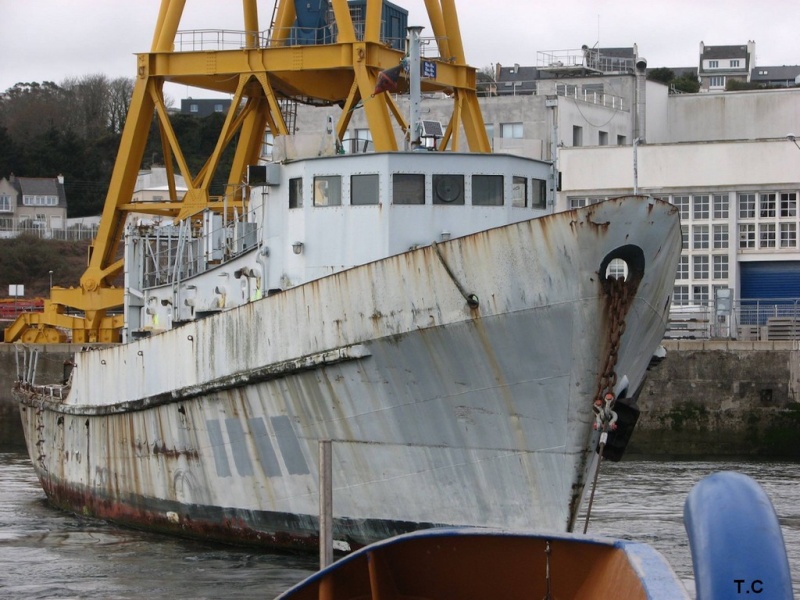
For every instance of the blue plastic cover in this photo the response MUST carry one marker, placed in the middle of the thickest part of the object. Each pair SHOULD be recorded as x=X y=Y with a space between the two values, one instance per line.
x=736 y=540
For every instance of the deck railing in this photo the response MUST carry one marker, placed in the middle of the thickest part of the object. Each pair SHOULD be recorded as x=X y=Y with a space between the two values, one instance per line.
x=748 y=319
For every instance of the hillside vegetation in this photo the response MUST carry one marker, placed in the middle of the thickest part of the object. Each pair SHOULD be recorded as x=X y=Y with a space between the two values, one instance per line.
x=28 y=260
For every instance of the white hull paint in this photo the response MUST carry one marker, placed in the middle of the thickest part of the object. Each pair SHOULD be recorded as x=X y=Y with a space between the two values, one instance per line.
x=440 y=413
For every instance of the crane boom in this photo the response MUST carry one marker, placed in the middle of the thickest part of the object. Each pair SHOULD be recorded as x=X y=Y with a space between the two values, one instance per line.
x=340 y=68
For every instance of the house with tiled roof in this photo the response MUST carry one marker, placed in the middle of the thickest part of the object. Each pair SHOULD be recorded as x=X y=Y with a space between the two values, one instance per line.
x=785 y=76
x=720 y=64
x=36 y=205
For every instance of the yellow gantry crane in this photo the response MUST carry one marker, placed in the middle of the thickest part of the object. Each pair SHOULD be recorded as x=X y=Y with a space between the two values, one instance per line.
x=343 y=68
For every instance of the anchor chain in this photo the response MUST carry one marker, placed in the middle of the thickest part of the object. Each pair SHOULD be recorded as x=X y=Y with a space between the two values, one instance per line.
x=603 y=404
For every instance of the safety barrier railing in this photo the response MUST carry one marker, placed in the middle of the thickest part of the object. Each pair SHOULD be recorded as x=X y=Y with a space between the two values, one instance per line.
x=747 y=319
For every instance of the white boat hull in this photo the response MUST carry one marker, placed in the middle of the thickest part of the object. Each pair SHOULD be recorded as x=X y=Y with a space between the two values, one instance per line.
x=439 y=412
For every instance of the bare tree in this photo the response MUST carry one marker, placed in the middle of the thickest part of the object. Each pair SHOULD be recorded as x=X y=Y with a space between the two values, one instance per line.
x=119 y=101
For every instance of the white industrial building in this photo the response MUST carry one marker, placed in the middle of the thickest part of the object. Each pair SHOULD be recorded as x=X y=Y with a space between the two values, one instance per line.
x=723 y=158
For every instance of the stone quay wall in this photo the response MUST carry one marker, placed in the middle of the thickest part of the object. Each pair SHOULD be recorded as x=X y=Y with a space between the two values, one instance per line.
x=721 y=398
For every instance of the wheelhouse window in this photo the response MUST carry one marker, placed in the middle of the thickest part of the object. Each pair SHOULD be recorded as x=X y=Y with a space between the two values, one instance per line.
x=487 y=190
x=328 y=190
x=448 y=189
x=296 y=192
x=538 y=193
x=364 y=189
x=361 y=141
x=519 y=192
x=408 y=188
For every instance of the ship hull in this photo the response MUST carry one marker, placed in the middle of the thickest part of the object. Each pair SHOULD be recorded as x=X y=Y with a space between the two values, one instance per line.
x=455 y=383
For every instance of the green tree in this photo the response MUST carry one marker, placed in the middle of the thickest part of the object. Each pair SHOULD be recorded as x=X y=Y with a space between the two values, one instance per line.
x=663 y=74
x=687 y=84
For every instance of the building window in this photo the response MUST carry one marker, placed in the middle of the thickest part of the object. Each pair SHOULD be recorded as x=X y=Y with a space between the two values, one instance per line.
x=683 y=268
x=364 y=189
x=680 y=295
x=6 y=224
x=735 y=63
x=408 y=188
x=720 y=266
x=328 y=190
x=720 y=206
x=296 y=193
x=716 y=82
x=747 y=206
x=685 y=237
x=194 y=108
x=621 y=140
x=720 y=236
x=700 y=208
x=700 y=294
x=448 y=189
x=682 y=202
x=5 y=203
x=789 y=204
x=489 y=131
x=39 y=201
x=519 y=192
x=218 y=108
x=602 y=138
x=699 y=237
x=713 y=64
x=767 y=205
x=766 y=235
x=747 y=235
x=268 y=143
x=487 y=190
x=700 y=266
x=788 y=235
x=577 y=202
x=511 y=130
x=577 y=135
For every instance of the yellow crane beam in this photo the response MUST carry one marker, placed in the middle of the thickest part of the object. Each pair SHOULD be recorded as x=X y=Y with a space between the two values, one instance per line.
x=342 y=72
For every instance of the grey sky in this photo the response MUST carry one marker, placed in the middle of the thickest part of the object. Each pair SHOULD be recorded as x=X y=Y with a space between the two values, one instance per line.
x=49 y=40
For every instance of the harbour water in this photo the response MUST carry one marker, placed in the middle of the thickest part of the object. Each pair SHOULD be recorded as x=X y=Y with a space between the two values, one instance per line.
x=45 y=553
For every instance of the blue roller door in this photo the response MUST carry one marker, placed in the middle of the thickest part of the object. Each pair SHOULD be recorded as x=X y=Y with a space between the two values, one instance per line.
x=773 y=279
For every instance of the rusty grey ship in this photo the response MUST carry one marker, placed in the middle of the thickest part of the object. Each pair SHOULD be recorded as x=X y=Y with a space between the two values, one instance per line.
x=425 y=311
